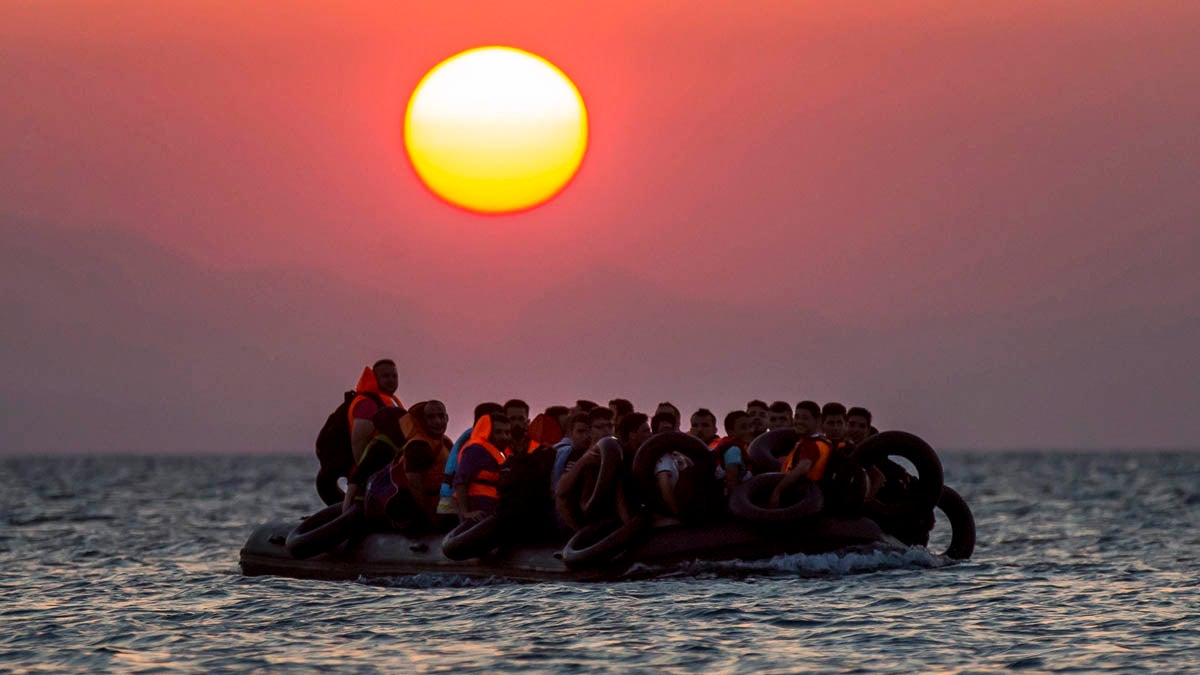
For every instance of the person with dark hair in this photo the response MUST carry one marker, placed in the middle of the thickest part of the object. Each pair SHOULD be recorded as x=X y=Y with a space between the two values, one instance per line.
x=663 y=421
x=759 y=413
x=376 y=389
x=668 y=407
x=601 y=420
x=807 y=418
x=518 y=420
x=476 y=491
x=577 y=442
x=704 y=426
x=447 y=512
x=833 y=423
x=779 y=415
x=526 y=508
x=559 y=413
x=584 y=405
x=858 y=424
x=731 y=452
x=620 y=407
x=632 y=431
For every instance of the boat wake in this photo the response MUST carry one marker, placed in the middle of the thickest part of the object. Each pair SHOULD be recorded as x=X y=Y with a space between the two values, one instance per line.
x=800 y=564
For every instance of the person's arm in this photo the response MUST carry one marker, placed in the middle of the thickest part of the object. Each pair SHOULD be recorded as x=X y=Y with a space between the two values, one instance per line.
x=460 y=501
x=667 y=490
x=733 y=464
x=418 y=459
x=468 y=466
x=360 y=436
x=797 y=472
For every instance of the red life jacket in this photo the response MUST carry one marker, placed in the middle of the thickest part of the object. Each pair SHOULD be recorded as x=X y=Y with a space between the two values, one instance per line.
x=414 y=431
x=485 y=483
x=367 y=384
x=815 y=443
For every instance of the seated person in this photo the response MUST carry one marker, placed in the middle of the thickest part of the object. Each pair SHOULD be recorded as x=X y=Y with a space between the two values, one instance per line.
x=667 y=407
x=526 y=509
x=602 y=424
x=447 y=513
x=779 y=415
x=663 y=421
x=578 y=440
x=731 y=452
x=858 y=424
x=666 y=475
x=425 y=453
x=558 y=413
x=807 y=460
x=759 y=413
x=620 y=408
x=632 y=432
x=833 y=424
x=704 y=427
x=476 y=493
x=807 y=419
x=384 y=447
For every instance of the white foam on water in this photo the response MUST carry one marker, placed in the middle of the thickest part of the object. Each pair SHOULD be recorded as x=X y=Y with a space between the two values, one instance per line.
x=421 y=581
x=815 y=565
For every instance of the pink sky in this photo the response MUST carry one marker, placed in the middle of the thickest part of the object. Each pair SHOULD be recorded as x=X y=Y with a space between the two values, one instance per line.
x=978 y=219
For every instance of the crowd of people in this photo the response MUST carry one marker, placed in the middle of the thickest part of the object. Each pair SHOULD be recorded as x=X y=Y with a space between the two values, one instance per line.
x=409 y=475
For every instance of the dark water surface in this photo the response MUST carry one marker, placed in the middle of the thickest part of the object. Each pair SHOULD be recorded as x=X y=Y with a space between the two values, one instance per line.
x=1085 y=562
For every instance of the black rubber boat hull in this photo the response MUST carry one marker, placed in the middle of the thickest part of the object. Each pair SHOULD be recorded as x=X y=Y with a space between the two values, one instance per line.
x=393 y=555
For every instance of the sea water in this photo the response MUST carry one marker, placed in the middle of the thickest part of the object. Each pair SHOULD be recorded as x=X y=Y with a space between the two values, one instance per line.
x=1085 y=562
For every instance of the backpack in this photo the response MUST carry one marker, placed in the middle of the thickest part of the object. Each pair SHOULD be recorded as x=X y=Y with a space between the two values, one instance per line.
x=333 y=441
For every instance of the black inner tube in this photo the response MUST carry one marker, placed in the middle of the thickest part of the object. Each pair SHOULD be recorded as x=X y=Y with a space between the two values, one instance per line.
x=660 y=444
x=926 y=489
x=962 y=524
x=602 y=495
x=599 y=543
x=324 y=530
x=471 y=539
x=748 y=501
x=767 y=451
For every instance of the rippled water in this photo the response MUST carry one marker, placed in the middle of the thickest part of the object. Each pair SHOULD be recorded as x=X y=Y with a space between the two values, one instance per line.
x=1085 y=562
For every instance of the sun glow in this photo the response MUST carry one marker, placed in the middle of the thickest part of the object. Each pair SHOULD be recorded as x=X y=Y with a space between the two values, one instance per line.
x=496 y=130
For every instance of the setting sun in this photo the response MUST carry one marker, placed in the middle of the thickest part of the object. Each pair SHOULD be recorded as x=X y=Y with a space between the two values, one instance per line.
x=496 y=130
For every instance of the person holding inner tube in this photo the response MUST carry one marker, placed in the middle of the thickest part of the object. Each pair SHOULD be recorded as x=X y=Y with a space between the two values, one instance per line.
x=858 y=424
x=476 y=492
x=704 y=427
x=447 y=513
x=578 y=440
x=807 y=460
x=601 y=424
x=733 y=461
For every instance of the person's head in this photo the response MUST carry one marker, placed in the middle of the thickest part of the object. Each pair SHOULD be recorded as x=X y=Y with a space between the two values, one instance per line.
x=858 y=424
x=779 y=415
x=584 y=405
x=704 y=425
x=807 y=419
x=579 y=430
x=434 y=418
x=518 y=416
x=386 y=376
x=833 y=421
x=387 y=422
x=601 y=419
x=620 y=407
x=487 y=408
x=759 y=413
x=559 y=413
x=501 y=435
x=663 y=421
x=740 y=425
x=668 y=407
x=633 y=430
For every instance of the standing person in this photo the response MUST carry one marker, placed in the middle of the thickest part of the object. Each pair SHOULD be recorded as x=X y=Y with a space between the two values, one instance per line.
x=704 y=427
x=476 y=491
x=759 y=413
x=779 y=415
x=376 y=389
x=858 y=424
x=447 y=512
x=733 y=465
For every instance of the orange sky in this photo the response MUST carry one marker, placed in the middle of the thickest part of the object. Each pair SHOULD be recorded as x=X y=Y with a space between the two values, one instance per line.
x=968 y=216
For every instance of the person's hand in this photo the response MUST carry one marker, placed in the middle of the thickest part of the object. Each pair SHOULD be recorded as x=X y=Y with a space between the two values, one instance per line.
x=351 y=493
x=773 y=502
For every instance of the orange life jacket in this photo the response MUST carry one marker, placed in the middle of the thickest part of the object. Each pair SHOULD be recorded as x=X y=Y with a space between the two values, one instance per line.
x=817 y=470
x=485 y=483
x=414 y=431
x=368 y=384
